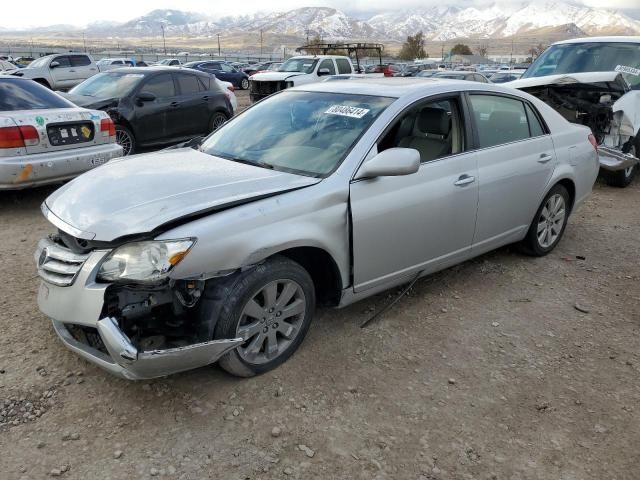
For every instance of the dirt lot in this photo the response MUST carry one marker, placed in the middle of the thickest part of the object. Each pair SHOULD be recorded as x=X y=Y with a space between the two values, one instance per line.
x=485 y=371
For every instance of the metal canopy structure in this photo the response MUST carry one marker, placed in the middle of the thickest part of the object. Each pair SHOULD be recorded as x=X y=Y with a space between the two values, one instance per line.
x=352 y=49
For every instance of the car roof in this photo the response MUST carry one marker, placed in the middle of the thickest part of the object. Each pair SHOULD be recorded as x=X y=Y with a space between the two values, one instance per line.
x=399 y=87
x=601 y=40
x=455 y=72
x=155 y=68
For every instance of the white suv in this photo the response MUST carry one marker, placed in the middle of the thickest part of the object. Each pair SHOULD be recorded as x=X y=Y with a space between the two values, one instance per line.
x=298 y=71
x=59 y=71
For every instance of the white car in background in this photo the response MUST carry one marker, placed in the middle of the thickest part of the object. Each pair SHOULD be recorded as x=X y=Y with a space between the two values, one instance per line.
x=6 y=66
x=111 y=63
x=229 y=91
x=595 y=82
x=59 y=71
x=46 y=139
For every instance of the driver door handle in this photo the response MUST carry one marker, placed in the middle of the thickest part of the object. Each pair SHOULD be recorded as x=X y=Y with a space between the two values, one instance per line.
x=464 y=180
x=544 y=158
x=174 y=104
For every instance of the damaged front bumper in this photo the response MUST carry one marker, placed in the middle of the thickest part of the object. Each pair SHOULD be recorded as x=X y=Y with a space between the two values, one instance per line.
x=613 y=160
x=75 y=303
x=125 y=361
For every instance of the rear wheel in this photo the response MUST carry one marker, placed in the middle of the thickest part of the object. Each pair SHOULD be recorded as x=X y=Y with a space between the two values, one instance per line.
x=270 y=307
x=125 y=139
x=549 y=223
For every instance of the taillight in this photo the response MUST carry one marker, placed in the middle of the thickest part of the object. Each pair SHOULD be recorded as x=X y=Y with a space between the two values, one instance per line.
x=18 y=137
x=107 y=127
x=593 y=142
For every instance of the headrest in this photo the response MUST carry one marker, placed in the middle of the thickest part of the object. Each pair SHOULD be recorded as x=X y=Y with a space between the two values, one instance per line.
x=433 y=120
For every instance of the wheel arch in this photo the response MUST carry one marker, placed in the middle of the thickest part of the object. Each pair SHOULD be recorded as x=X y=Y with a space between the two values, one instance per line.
x=571 y=188
x=323 y=270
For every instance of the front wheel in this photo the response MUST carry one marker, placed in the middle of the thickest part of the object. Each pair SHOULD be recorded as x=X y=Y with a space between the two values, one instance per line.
x=549 y=223
x=244 y=84
x=271 y=308
x=125 y=139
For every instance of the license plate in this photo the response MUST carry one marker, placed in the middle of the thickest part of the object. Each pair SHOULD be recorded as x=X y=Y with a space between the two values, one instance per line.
x=70 y=133
x=97 y=161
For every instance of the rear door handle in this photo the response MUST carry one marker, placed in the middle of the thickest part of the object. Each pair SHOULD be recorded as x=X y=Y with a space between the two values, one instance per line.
x=464 y=180
x=174 y=104
x=544 y=158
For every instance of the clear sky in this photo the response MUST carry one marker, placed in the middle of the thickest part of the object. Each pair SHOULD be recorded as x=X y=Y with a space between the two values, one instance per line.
x=48 y=12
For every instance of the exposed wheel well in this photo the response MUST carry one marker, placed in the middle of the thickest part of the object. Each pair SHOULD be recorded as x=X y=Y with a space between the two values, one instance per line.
x=571 y=188
x=323 y=271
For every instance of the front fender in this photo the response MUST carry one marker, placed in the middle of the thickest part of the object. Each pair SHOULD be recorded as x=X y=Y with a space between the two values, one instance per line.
x=245 y=235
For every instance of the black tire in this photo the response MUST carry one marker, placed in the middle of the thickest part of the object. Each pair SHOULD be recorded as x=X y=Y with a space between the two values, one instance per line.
x=244 y=84
x=122 y=134
x=532 y=244
x=227 y=298
x=623 y=178
x=217 y=120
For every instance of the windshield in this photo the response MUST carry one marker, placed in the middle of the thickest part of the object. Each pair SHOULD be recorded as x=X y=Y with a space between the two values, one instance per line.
x=309 y=133
x=166 y=61
x=589 y=57
x=38 y=63
x=304 y=65
x=107 y=85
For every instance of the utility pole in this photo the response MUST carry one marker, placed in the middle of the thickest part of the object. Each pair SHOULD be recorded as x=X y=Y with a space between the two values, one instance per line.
x=84 y=42
x=218 y=44
x=307 y=32
x=260 y=43
x=511 y=56
x=164 y=42
x=442 y=55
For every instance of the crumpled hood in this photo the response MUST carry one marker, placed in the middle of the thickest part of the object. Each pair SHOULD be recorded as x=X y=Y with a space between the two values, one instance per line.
x=275 y=76
x=89 y=102
x=569 y=78
x=136 y=195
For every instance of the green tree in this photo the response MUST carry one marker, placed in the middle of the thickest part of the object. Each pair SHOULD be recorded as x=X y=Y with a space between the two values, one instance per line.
x=413 y=48
x=461 y=49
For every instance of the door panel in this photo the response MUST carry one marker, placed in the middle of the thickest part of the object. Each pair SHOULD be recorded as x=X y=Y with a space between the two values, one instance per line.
x=157 y=120
x=405 y=224
x=194 y=106
x=63 y=75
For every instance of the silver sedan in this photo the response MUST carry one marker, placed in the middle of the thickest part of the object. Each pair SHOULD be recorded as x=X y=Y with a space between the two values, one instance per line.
x=46 y=139
x=343 y=189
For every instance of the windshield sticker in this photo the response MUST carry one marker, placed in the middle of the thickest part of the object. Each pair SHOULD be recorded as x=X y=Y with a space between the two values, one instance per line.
x=346 y=111
x=629 y=70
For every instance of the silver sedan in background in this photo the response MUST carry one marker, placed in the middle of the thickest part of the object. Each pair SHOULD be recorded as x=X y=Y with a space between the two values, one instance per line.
x=342 y=190
x=46 y=139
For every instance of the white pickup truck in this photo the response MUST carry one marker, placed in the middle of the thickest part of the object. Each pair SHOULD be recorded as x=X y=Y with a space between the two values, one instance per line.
x=60 y=71
x=298 y=71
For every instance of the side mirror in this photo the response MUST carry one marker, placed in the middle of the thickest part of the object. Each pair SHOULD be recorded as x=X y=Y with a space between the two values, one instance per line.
x=146 y=97
x=54 y=64
x=392 y=162
x=323 y=71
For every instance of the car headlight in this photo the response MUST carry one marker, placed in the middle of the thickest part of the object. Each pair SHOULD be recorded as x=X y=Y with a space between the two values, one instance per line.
x=148 y=261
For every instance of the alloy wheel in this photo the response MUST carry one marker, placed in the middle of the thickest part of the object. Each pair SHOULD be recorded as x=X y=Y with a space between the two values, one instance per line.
x=270 y=321
x=551 y=221
x=124 y=140
x=218 y=121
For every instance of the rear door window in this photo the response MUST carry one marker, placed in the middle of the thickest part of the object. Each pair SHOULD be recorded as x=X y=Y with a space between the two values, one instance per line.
x=499 y=120
x=80 y=60
x=161 y=86
x=343 y=65
x=188 y=84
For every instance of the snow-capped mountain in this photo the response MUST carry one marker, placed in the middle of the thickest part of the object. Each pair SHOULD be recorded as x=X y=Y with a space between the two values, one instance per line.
x=443 y=22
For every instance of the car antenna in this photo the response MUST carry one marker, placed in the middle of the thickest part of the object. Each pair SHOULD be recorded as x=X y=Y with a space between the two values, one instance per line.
x=392 y=303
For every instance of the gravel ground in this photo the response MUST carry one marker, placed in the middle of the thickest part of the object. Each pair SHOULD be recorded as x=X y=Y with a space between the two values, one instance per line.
x=505 y=367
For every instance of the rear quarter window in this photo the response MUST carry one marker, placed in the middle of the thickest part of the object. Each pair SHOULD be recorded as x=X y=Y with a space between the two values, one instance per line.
x=28 y=95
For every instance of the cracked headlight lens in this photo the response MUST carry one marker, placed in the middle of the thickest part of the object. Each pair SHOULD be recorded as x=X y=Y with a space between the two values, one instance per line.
x=148 y=261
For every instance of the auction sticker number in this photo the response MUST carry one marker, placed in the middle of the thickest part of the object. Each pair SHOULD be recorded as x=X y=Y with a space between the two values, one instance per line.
x=629 y=70
x=347 y=111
